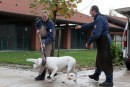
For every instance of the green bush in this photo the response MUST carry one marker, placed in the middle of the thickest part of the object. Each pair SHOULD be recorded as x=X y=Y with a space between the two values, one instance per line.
x=117 y=54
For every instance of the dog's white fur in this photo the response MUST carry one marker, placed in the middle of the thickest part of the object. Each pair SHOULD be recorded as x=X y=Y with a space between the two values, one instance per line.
x=55 y=64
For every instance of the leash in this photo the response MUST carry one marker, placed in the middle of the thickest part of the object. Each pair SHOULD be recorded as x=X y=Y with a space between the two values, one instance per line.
x=43 y=52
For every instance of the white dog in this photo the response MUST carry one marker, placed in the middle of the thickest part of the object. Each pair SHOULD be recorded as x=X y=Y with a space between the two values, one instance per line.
x=55 y=64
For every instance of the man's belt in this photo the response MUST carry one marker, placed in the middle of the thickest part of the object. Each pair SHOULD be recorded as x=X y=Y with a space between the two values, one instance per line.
x=43 y=37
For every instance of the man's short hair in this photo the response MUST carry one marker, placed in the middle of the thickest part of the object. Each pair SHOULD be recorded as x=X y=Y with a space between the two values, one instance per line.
x=45 y=11
x=95 y=7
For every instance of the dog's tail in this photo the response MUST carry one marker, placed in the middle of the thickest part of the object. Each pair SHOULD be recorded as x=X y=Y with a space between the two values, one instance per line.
x=31 y=60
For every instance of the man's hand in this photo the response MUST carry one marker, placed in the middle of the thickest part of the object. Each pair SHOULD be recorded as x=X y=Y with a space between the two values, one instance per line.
x=78 y=27
x=87 y=46
x=42 y=45
x=38 y=31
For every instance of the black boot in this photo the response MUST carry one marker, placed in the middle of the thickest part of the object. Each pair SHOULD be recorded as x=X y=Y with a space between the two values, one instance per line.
x=41 y=76
x=95 y=76
x=105 y=83
x=108 y=82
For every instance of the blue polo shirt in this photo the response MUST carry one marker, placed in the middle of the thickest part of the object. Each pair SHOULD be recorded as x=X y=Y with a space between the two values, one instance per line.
x=50 y=28
x=100 y=28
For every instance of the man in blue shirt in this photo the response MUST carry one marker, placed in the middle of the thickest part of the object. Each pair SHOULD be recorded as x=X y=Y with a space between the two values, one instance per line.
x=45 y=28
x=101 y=36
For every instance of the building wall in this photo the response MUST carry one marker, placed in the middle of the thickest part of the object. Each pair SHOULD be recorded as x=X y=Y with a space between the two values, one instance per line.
x=117 y=37
x=8 y=37
x=15 y=37
x=70 y=39
x=19 y=33
x=67 y=38
x=78 y=39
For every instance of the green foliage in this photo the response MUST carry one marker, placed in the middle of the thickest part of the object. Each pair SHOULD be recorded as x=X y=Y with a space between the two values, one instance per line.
x=65 y=8
x=18 y=57
x=117 y=55
x=85 y=58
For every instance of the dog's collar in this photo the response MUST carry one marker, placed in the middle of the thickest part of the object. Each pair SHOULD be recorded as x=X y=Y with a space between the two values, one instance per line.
x=43 y=61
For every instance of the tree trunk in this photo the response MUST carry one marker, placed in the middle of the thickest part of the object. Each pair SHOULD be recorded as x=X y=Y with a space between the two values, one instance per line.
x=53 y=44
x=59 y=41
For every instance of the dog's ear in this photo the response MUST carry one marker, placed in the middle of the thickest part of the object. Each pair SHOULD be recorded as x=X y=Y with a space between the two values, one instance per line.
x=39 y=61
x=31 y=60
x=35 y=66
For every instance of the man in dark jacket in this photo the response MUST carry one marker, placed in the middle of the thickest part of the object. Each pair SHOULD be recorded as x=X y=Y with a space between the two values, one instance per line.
x=101 y=36
x=45 y=28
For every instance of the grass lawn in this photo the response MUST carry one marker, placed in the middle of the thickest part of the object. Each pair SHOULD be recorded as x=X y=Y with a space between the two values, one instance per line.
x=85 y=58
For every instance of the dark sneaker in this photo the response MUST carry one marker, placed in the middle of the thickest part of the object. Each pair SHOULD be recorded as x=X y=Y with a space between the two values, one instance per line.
x=108 y=84
x=39 y=77
x=95 y=77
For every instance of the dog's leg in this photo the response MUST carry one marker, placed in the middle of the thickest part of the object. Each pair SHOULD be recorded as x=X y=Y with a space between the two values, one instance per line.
x=69 y=69
x=52 y=74
x=74 y=71
x=68 y=76
x=49 y=73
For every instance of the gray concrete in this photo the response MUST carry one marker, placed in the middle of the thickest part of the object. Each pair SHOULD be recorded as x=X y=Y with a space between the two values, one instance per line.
x=25 y=78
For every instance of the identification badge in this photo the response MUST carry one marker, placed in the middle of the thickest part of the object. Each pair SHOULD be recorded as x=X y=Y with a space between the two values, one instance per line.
x=94 y=26
x=50 y=30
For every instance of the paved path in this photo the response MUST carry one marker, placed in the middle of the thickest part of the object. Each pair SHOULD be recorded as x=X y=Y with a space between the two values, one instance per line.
x=25 y=78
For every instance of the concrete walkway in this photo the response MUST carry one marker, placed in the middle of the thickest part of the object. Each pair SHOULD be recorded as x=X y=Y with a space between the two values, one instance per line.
x=25 y=78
